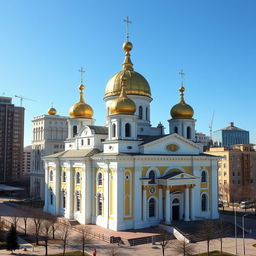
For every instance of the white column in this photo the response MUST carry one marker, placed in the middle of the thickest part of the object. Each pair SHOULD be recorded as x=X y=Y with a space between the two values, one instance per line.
x=106 y=196
x=57 y=188
x=138 y=200
x=46 y=188
x=167 y=205
x=192 y=213
x=186 y=217
x=70 y=193
x=144 y=203
x=160 y=200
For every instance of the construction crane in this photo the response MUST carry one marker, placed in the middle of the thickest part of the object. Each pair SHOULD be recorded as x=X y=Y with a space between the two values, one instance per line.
x=22 y=98
x=210 y=126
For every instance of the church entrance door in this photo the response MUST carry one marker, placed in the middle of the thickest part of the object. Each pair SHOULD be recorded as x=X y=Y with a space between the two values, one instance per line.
x=175 y=209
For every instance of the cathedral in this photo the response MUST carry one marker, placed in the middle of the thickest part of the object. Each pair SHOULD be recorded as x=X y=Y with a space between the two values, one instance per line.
x=129 y=174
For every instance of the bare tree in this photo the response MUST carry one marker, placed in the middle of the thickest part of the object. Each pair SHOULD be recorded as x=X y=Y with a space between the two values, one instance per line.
x=46 y=233
x=37 y=220
x=183 y=248
x=84 y=239
x=113 y=251
x=165 y=241
x=24 y=215
x=15 y=220
x=65 y=236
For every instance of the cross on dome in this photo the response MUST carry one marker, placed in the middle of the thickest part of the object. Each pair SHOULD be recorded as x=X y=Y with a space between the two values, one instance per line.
x=182 y=74
x=81 y=70
x=127 y=21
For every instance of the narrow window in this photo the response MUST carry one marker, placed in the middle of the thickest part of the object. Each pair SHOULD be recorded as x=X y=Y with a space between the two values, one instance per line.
x=147 y=114
x=127 y=130
x=51 y=175
x=78 y=201
x=51 y=196
x=64 y=177
x=99 y=204
x=140 y=112
x=204 y=202
x=188 y=132
x=203 y=176
x=113 y=130
x=63 y=199
x=151 y=207
x=152 y=177
x=74 y=130
x=175 y=129
x=82 y=142
x=78 y=178
x=100 y=179
x=88 y=142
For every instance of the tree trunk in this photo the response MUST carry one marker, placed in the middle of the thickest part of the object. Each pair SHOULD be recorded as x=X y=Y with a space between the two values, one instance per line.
x=208 y=247
x=163 y=250
x=221 y=246
x=46 y=247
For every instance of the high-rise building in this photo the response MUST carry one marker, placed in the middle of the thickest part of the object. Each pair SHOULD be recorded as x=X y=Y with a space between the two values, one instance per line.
x=230 y=135
x=27 y=160
x=49 y=134
x=11 y=140
x=236 y=172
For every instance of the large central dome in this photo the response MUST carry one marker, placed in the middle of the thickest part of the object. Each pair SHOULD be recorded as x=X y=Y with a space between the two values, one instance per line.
x=136 y=83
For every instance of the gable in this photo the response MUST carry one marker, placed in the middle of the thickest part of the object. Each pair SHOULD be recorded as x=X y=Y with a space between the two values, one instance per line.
x=172 y=144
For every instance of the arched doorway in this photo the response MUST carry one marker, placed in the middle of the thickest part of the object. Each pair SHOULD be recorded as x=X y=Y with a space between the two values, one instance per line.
x=175 y=209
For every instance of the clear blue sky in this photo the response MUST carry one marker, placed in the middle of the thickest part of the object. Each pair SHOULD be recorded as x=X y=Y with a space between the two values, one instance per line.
x=44 y=42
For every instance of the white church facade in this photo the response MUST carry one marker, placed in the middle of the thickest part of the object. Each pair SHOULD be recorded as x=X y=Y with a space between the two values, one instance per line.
x=128 y=174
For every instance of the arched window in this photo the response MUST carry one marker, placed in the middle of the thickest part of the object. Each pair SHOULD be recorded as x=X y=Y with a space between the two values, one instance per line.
x=51 y=196
x=127 y=130
x=113 y=130
x=188 y=132
x=176 y=129
x=152 y=177
x=74 y=130
x=175 y=201
x=64 y=176
x=78 y=178
x=147 y=114
x=204 y=202
x=78 y=198
x=151 y=207
x=140 y=112
x=203 y=176
x=51 y=175
x=88 y=142
x=63 y=199
x=99 y=179
x=99 y=204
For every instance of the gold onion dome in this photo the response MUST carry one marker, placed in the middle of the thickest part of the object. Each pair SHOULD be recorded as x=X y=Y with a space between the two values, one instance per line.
x=52 y=111
x=122 y=104
x=81 y=109
x=136 y=84
x=182 y=110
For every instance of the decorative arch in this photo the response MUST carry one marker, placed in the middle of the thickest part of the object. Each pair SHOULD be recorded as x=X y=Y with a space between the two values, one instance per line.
x=157 y=172
x=173 y=169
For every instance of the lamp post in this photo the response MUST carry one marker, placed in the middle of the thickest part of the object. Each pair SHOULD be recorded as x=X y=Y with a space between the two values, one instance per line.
x=243 y=231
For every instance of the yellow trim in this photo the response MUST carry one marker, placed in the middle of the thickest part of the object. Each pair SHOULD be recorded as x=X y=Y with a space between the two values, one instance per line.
x=187 y=169
x=128 y=218
x=204 y=185
x=144 y=171
x=162 y=169
x=111 y=193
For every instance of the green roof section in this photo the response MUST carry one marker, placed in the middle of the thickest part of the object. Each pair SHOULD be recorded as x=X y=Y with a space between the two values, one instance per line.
x=75 y=153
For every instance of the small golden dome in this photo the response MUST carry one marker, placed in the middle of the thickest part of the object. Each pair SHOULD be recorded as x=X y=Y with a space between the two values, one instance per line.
x=136 y=84
x=182 y=110
x=122 y=104
x=52 y=111
x=81 y=109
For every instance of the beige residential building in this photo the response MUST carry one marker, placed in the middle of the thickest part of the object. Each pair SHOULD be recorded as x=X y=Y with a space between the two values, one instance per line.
x=236 y=172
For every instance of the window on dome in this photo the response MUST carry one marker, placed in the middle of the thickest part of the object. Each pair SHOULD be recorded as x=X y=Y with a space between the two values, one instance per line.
x=147 y=118
x=151 y=207
x=152 y=177
x=188 y=132
x=74 y=130
x=113 y=130
x=140 y=112
x=127 y=130
x=176 y=129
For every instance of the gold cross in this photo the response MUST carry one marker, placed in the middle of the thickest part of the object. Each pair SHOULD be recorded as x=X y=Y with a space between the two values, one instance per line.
x=182 y=74
x=127 y=21
x=81 y=70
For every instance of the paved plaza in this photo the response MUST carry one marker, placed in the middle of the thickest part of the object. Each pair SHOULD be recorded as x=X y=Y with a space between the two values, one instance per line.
x=104 y=248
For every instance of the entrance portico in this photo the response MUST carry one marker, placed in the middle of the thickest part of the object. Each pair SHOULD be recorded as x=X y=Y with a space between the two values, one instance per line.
x=179 y=203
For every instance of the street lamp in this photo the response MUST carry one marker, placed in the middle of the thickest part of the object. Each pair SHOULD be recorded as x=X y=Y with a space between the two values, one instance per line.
x=243 y=230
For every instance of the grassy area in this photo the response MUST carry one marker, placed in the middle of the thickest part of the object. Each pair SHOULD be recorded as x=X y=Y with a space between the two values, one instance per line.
x=77 y=253
x=215 y=253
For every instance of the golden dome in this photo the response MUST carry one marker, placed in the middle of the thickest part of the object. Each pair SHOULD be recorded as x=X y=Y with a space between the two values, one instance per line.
x=81 y=109
x=182 y=110
x=136 y=84
x=122 y=104
x=52 y=111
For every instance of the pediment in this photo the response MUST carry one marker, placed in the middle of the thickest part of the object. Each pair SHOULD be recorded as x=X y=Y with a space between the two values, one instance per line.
x=172 y=144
